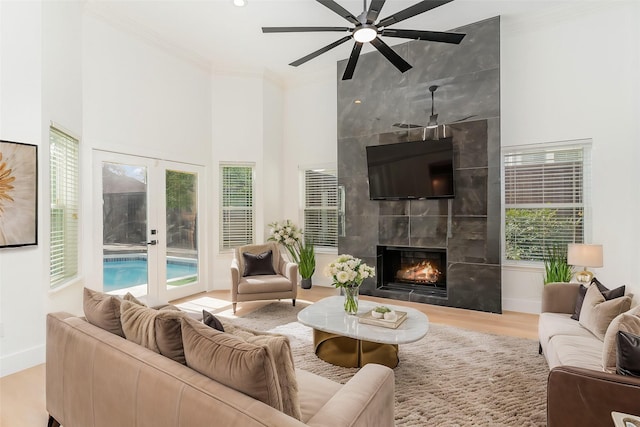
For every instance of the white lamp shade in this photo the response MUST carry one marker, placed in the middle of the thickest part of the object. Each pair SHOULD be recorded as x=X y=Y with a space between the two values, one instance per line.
x=584 y=255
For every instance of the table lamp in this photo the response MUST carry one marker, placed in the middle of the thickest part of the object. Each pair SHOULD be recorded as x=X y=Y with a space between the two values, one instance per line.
x=580 y=254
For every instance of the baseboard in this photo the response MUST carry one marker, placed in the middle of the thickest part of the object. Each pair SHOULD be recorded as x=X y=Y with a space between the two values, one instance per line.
x=22 y=360
x=522 y=305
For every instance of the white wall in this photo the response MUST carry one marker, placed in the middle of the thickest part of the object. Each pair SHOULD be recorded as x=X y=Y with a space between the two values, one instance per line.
x=310 y=139
x=573 y=74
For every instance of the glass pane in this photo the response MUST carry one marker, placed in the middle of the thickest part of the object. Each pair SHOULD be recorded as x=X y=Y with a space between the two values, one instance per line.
x=124 y=218
x=182 y=221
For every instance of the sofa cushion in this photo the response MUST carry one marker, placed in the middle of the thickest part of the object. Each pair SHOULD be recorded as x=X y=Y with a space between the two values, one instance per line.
x=314 y=392
x=606 y=293
x=281 y=350
x=102 y=310
x=628 y=360
x=552 y=324
x=258 y=264
x=258 y=284
x=627 y=322
x=583 y=352
x=138 y=324
x=131 y=298
x=597 y=313
x=245 y=367
x=168 y=330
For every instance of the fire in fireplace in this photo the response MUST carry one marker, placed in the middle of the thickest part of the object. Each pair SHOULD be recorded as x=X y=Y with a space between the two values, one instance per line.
x=412 y=269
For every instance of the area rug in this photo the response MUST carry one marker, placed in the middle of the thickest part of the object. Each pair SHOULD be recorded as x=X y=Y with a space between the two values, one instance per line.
x=452 y=377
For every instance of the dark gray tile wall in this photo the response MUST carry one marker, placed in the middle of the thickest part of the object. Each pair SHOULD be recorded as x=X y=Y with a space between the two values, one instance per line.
x=468 y=101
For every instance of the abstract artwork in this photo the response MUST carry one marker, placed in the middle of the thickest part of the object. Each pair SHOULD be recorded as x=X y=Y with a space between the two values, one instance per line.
x=18 y=194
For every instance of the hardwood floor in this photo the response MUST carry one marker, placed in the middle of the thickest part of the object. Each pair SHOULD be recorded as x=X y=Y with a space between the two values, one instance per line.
x=22 y=395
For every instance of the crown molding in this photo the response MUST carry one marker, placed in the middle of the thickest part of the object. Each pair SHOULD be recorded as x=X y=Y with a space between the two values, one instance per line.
x=99 y=10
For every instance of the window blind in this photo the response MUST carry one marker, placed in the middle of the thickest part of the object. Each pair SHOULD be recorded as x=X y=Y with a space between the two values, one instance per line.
x=237 y=216
x=544 y=200
x=64 y=178
x=321 y=207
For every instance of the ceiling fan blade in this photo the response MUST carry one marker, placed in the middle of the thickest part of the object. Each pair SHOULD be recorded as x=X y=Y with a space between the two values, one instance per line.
x=353 y=60
x=320 y=51
x=411 y=11
x=340 y=10
x=407 y=125
x=374 y=10
x=302 y=29
x=391 y=55
x=432 y=36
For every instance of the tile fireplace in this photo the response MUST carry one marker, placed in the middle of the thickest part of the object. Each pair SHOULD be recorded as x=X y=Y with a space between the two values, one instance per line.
x=412 y=269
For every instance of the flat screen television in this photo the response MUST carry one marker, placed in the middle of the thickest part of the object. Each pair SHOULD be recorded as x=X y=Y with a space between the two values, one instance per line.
x=411 y=170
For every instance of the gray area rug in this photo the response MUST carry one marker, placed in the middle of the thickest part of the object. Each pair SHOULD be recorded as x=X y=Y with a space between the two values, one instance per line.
x=452 y=377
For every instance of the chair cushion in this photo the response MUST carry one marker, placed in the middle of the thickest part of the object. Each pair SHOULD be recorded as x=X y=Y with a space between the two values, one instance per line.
x=258 y=264
x=247 y=368
x=266 y=283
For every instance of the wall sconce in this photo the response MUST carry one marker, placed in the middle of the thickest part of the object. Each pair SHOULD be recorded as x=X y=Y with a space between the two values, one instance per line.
x=584 y=255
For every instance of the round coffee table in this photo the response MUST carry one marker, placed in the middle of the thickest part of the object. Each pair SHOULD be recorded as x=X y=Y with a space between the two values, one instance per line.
x=342 y=340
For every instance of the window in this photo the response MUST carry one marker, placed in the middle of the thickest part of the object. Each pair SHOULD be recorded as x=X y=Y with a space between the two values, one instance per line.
x=63 y=167
x=236 y=218
x=321 y=207
x=545 y=199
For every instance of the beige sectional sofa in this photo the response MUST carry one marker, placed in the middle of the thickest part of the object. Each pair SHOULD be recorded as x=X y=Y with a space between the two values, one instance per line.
x=97 y=378
x=579 y=391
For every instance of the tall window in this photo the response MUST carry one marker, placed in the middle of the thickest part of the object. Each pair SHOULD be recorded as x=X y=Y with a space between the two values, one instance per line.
x=545 y=199
x=64 y=167
x=238 y=212
x=321 y=207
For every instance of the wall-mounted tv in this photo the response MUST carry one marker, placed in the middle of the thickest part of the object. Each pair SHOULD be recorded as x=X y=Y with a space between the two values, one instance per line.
x=411 y=170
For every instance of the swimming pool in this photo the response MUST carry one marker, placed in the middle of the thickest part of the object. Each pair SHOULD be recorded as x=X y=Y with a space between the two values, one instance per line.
x=123 y=273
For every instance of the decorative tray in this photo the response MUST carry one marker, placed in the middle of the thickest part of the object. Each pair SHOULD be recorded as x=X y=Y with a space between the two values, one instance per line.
x=368 y=319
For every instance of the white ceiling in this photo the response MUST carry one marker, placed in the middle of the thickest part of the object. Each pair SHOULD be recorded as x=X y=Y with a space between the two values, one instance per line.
x=229 y=38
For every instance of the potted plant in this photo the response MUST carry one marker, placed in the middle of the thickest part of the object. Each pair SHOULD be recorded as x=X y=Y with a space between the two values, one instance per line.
x=556 y=268
x=306 y=263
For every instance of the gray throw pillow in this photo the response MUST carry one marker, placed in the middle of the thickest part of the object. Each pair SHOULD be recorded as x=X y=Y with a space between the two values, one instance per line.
x=211 y=321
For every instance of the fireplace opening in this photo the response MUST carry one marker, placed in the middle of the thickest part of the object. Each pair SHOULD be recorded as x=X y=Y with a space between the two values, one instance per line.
x=411 y=269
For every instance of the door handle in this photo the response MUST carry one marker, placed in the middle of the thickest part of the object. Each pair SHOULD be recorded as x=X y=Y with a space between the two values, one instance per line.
x=152 y=242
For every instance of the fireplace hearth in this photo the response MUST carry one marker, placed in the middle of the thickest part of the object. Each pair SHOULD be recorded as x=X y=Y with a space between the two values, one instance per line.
x=413 y=270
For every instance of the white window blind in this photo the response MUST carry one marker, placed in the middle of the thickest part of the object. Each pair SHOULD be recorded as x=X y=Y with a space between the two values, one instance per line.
x=64 y=172
x=237 y=216
x=321 y=207
x=545 y=200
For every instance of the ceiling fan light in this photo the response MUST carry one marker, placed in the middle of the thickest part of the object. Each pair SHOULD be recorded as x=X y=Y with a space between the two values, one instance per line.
x=240 y=3
x=365 y=34
x=433 y=122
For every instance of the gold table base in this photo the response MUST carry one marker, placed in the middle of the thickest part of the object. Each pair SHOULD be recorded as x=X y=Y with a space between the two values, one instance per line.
x=353 y=353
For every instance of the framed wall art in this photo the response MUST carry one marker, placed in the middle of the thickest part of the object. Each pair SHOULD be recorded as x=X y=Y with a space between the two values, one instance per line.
x=18 y=194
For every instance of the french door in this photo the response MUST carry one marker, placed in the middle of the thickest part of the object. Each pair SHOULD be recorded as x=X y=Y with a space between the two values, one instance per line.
x=150 y=226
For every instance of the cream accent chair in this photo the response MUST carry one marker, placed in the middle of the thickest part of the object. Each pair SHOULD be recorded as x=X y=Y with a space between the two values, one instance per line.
x=284 y=284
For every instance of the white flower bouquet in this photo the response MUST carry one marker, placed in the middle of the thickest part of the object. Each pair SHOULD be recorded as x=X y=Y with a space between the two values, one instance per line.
x=348 y=273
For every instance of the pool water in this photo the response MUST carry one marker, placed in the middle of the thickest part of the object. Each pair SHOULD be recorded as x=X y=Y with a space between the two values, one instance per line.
x=124 y=274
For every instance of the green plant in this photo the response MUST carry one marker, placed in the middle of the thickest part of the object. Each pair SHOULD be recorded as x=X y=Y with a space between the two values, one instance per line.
x=306 y=259
x=556 y=268
x=382 y=309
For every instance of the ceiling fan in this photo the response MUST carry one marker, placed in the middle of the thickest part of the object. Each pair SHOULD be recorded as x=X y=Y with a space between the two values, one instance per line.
x=366 y=29
x=433 y=118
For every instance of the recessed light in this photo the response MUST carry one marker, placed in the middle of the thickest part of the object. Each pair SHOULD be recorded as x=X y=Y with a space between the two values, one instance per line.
x=357 y=101
x=240 y=3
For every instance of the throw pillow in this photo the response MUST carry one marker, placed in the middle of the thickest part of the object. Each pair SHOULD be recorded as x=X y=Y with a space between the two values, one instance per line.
x=168 y=330
x=258 y=264
x=247 y=368
x=597 y=313
x=211 y=321
x=102 y=310
x=129 y=297
x=606 y=293
x=138 y=324
x=628 y=354
x=281 y=350
x=627 y=322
